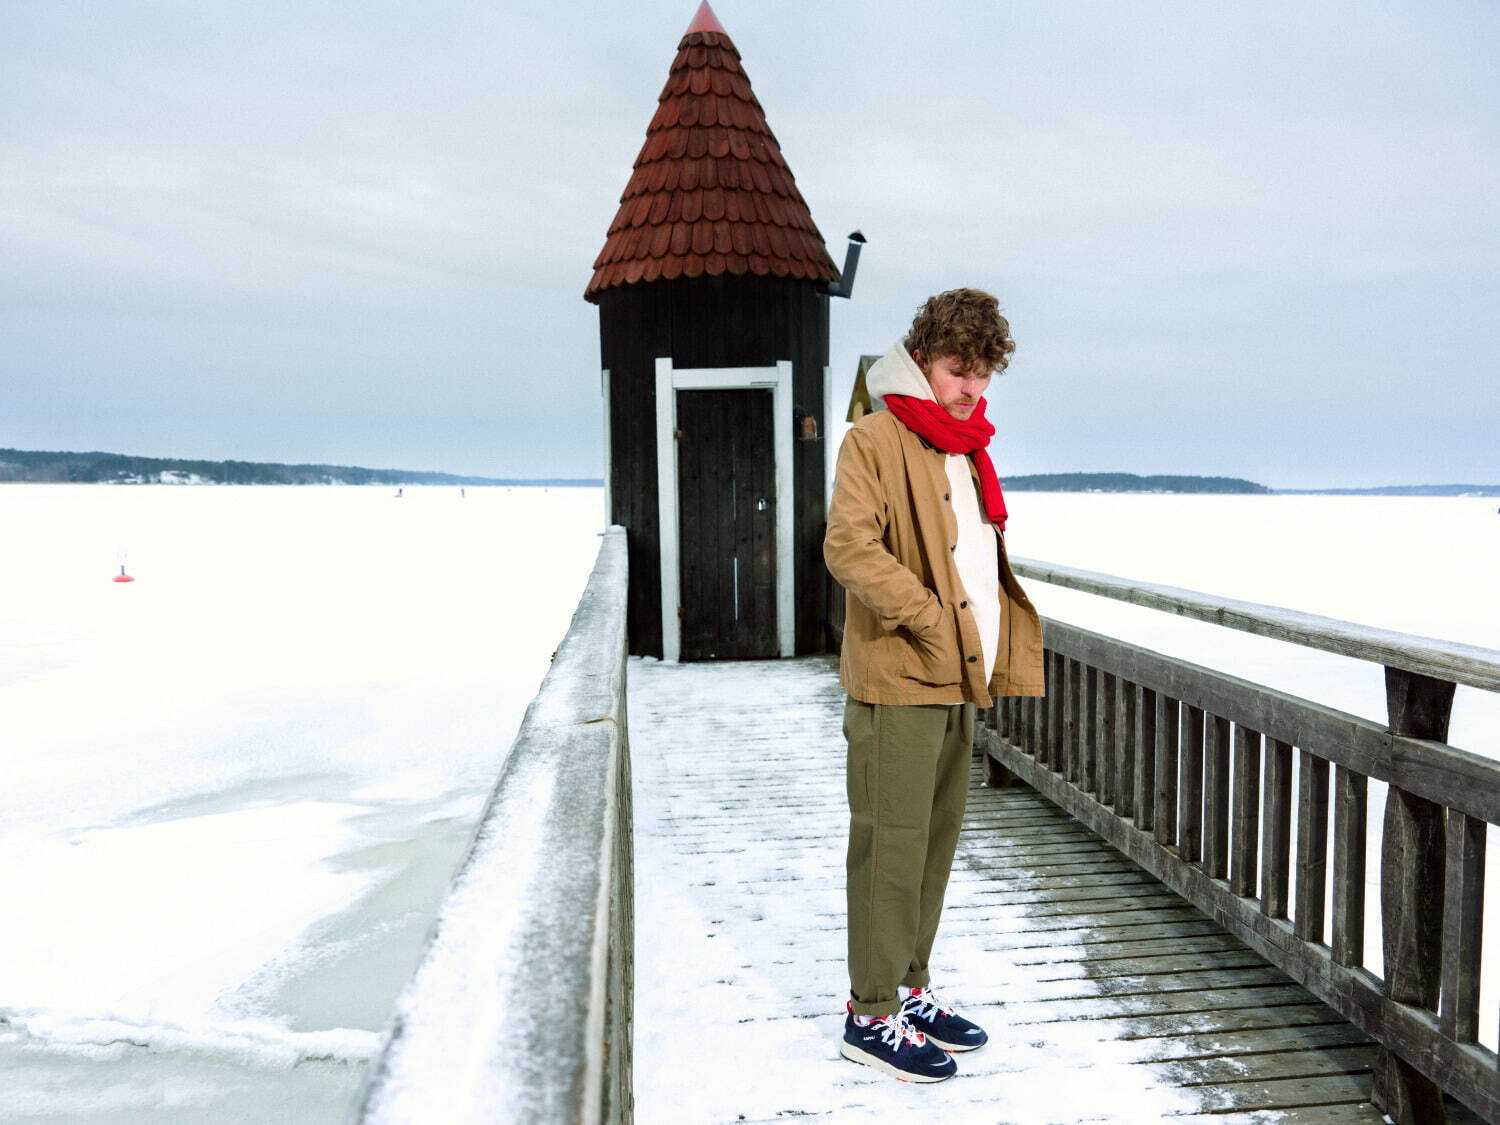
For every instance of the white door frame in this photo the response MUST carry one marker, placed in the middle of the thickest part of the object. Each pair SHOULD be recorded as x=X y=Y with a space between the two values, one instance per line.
x=609 y=468
x=670 y=380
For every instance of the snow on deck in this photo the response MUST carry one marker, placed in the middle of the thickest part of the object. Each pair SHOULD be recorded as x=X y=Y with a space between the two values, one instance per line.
x=1107 y=997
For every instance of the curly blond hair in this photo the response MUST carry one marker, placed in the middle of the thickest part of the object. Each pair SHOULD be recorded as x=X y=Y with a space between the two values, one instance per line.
x=965 y=323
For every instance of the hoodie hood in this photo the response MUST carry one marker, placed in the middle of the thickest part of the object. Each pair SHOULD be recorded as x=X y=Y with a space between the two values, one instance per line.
x=896 y=373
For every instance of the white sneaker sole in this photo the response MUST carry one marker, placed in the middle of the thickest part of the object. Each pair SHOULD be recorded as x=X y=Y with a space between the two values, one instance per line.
x=854 y=1054
x=958 y=1048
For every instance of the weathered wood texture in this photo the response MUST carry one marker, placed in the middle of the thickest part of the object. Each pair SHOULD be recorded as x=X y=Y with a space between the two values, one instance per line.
x=1412 y=866
x=712 y=322
x=1108 y=997
x=539 y=918
x=1211 y=807
x=727 y=524
x=1444 y=660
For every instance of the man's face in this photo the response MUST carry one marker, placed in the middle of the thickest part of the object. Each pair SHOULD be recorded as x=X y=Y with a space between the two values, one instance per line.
x=957 y=390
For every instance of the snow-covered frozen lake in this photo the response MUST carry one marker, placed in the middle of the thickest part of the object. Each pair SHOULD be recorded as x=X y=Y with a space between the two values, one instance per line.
x=235 y=789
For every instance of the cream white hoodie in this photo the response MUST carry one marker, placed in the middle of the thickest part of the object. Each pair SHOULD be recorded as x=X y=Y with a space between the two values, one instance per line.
x=978 y=560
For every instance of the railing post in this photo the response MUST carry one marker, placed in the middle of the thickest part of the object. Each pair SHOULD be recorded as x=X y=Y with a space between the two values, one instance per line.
x=1165 y=817
x=1072 y=720
x=1277 y=822
x=1145 y=774
x=997 y=776
x=1411 y=896
x=1057 y=732
x=1088 y=724
x=1216 y=797
x=1190 y=824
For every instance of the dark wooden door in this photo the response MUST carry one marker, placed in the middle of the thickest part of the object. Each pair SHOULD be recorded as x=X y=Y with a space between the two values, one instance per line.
x=726 y=481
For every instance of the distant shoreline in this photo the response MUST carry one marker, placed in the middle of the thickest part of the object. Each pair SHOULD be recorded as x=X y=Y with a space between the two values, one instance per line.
x=19 y=466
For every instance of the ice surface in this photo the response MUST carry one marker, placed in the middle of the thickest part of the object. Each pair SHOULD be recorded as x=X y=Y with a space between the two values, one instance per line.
x=236 y=789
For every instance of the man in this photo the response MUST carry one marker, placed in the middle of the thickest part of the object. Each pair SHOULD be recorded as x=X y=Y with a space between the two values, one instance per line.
x=935 y=625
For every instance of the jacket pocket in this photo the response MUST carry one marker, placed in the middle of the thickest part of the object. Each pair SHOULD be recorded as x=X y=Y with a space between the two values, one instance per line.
x=932 y=657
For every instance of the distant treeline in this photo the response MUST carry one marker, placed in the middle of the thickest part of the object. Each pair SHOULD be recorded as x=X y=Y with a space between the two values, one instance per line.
x=117 y=468
x=1128 y=482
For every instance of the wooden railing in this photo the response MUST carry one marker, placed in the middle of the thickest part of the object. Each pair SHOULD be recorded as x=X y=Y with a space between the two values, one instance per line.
x=1190 y=772
x=520 y=1009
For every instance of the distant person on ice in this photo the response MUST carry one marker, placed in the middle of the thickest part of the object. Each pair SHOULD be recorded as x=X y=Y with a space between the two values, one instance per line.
x=935 y=626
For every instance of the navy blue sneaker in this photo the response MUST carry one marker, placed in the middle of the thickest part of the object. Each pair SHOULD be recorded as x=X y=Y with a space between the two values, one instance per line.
x=891 y=1044
x=940 y=1023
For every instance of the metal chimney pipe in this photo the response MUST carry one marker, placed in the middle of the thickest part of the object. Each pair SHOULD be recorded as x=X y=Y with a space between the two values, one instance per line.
x=844 y=287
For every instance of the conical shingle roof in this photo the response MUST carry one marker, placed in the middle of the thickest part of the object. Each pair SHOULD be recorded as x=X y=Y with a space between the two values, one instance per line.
x=711 y=193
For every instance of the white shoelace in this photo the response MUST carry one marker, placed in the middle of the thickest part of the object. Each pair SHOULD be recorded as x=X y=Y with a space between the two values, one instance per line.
x=928 y=1005
x=896 y=1027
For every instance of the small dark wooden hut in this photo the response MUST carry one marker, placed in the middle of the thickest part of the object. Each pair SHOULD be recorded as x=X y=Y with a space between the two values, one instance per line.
x=713 y=289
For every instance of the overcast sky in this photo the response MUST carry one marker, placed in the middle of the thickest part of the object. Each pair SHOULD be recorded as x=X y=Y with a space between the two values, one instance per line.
x=1254 y=239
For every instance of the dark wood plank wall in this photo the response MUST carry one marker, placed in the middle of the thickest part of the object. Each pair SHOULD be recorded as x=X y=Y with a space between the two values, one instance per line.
x=712 y=322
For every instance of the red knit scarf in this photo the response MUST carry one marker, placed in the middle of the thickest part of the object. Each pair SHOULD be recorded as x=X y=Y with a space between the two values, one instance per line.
x=929 y=420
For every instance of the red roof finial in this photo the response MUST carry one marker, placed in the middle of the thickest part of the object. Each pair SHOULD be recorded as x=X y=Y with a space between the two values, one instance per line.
x=705 y=20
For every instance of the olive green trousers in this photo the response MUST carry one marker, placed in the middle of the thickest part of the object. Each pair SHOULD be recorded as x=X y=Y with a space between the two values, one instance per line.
x=908 y=779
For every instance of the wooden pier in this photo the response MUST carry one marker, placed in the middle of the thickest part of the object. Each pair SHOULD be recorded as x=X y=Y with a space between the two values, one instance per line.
x=1107 y=996
x=1136 y=914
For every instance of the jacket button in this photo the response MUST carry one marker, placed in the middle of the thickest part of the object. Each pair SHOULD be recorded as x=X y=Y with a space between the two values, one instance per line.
x=945 y=496
x=954 y=547
x=972 y=659
x=963 y=605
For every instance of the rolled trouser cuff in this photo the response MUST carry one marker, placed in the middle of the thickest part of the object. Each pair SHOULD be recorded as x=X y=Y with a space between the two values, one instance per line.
x=874 y=1007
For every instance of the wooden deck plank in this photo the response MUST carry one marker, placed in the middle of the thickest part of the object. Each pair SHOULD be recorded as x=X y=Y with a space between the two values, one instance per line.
x=1098 y=985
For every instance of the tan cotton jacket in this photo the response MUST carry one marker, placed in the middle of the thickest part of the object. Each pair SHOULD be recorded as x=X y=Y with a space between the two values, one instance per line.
x=909 y=636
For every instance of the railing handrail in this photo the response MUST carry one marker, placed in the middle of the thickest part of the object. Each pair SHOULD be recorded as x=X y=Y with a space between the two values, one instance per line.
x=531 y=926
x=1453 y=661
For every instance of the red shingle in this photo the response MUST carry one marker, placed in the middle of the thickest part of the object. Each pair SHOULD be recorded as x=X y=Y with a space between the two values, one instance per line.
x=710 y=192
